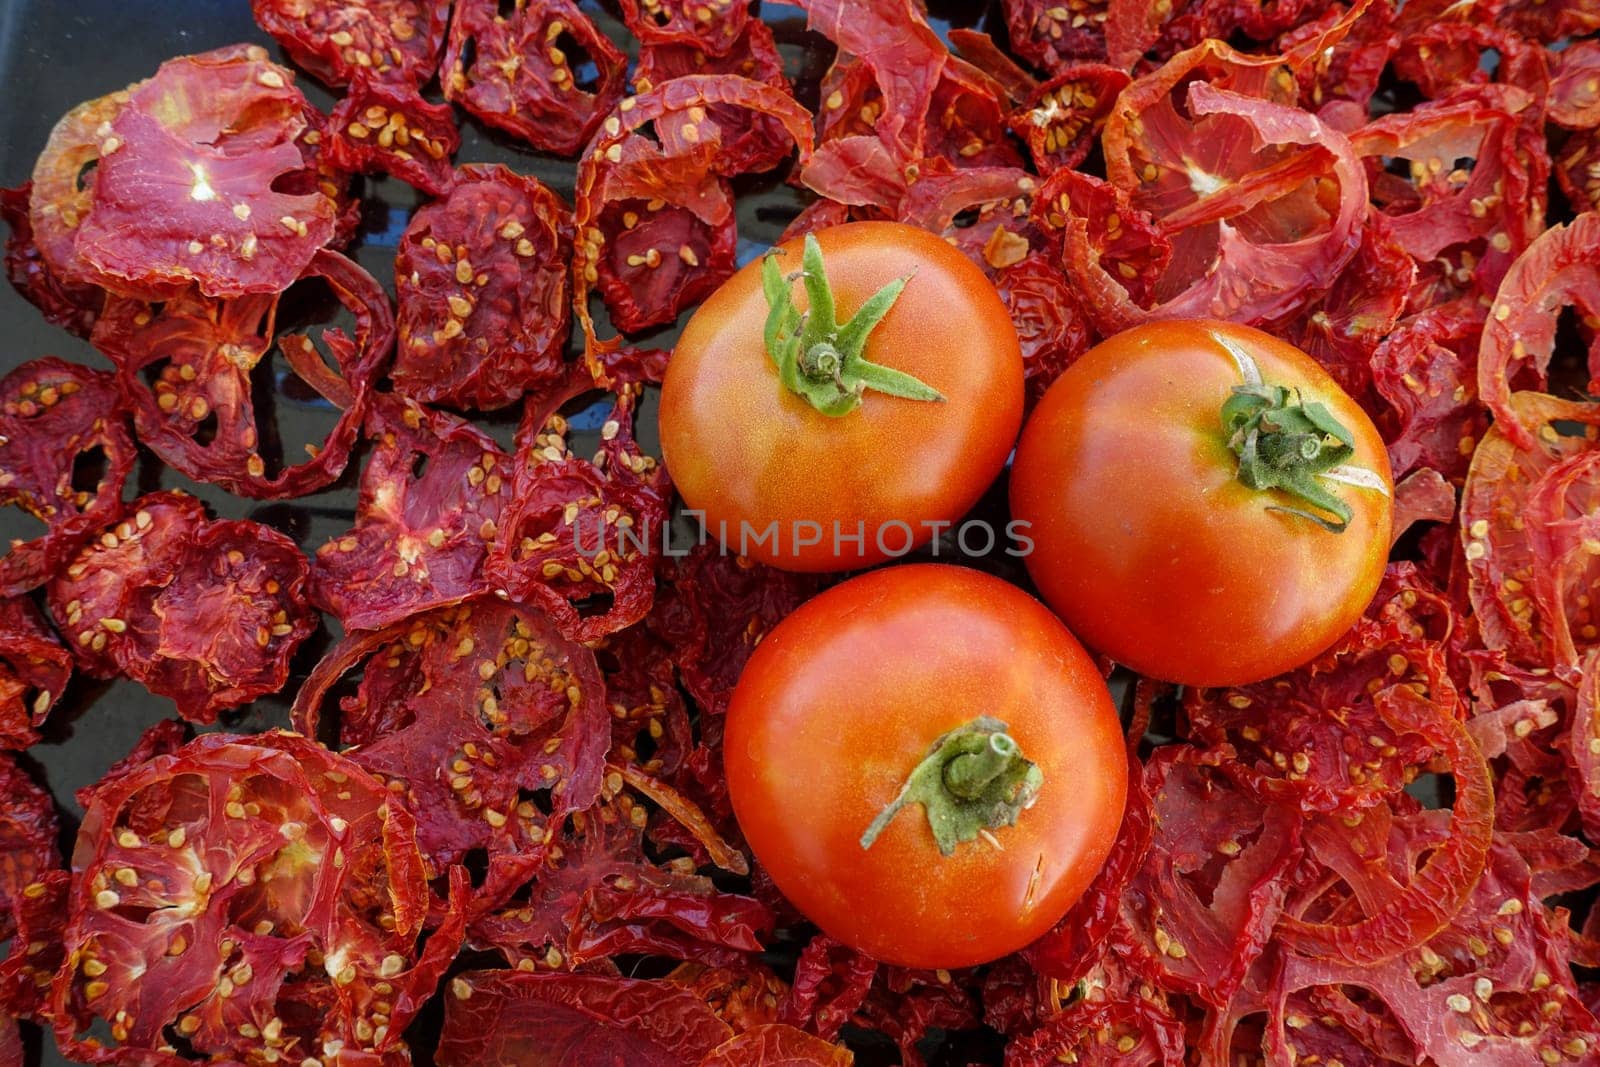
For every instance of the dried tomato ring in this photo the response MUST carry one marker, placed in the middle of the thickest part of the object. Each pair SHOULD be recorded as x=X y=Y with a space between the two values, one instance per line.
x=397 y=40
x=187 y=370
x=220 y=127
x=60 y=423
x=484 y=311
x=73 y=307
x=63 y=185
x=254 y=896
x=523 y=72
x=431 y=498
x=467 y=713
x=1062 y=118
x=28 y=829
x=207 y=613
x=710 y=27
x=576 y=532
x=389 y=128
x=34 y=668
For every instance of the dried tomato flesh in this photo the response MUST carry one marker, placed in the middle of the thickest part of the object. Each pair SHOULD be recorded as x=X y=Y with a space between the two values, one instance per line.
x=387 y=127
x=28 y=829
x=207 y=613
x=466 y=712
x=54 y=416
x=227 y=887
x=394 y=40
x=186 y=368
x=71 y=306
x=523 y=72
x=34 y=668
x=218 y=130
x=484 y=309
x=432 y=494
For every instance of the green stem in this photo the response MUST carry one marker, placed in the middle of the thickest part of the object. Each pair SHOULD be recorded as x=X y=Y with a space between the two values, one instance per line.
x=819 y=359
x=974 y=778
x=1286 y=443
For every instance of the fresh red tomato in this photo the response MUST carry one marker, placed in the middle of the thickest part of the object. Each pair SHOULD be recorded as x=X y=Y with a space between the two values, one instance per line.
x=1207 y=506
x=927 y=764
x=775 y=418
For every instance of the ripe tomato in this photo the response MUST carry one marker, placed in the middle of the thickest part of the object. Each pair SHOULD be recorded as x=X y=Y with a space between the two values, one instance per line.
x=848 y=700
x=770 y=421
x=1149 y=539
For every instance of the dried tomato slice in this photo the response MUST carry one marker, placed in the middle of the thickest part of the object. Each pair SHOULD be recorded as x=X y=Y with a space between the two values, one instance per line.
x=388 y=127
x=1343 y=328
x=576 y=532
x=1051 y=324
x=1103 y=1033
x=655 y=220
x=34 y=668
x=1556 y=270
x=105 y=579
x=1102 y=226
x=207 y=613
x=253 y=897
x=494 y=1016
x=1424 y=370
x=776 y=1045
x=1574 y=89
x=1490 y=212
x=712 y=29
x=1578 y=170
x=1054 y=35
x=187 y=366
x=28 y=829
x=1495 y=983
x=1201 y=908
x=714 y=609
x=484 y=311
x=1062 y=119
x=71 y=306
x=1325 y=746
x=524 y=71
x=750 y=141
x=60 y=424
x=205 y=138
x=594 y=894
x=431 y=501
x=1261 y=201
x=63 y=183
x=1436 y=891
x=397 y=40
x=1524 y=521
x=38 y=920
x=466 y=713
x=1442 y=56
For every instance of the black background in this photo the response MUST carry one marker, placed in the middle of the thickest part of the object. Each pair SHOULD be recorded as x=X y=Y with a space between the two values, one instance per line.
x=55 y=54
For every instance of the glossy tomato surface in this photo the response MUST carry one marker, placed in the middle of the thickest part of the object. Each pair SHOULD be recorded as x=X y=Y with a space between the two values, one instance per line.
x=1146 y=541
x=842 y=700
x=748 y=452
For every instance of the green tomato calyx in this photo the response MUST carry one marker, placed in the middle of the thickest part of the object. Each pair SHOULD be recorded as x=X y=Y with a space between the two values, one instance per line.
x=1288 y=443
x=973 y=779
x=817 y=358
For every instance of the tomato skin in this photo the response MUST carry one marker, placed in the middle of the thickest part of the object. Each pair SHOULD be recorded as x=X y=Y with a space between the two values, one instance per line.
x=1146 y=542
x=844 y=697
x=745 y=450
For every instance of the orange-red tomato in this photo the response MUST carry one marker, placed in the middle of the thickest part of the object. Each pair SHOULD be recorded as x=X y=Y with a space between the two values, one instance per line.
x=841 y=703
x=1147 y=539
x=748 y=451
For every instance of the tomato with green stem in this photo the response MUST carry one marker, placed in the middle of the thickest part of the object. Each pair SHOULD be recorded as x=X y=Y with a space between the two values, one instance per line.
x=814 y=444
x=1206 y=505
x=927 y=764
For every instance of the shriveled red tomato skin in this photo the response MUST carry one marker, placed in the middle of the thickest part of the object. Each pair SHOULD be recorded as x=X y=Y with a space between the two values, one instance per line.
x=842 y=700
x=1148 y=544
x=748 y=452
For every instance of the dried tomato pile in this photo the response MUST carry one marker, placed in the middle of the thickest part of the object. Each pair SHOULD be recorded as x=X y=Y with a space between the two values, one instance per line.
x=506 y=788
